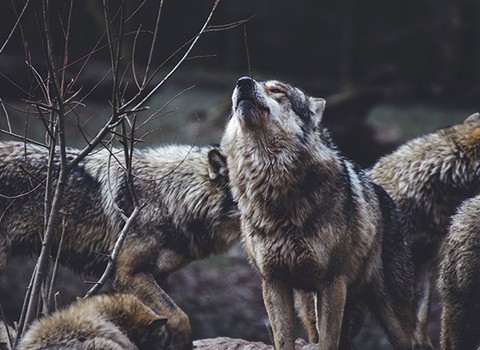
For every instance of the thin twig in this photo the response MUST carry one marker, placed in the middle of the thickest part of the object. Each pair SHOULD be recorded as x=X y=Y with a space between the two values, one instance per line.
x=50 y=298
x=17 y=22
x=179 y=63
x=152 y=46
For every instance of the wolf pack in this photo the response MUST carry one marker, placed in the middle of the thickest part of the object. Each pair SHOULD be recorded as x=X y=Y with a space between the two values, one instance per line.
x=331 y=241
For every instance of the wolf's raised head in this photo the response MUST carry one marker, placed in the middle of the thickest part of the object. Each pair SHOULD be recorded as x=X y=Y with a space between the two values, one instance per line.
x=273 y=108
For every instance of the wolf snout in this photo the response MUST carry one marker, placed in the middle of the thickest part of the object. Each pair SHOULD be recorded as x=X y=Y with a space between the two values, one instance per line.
x=245 y=87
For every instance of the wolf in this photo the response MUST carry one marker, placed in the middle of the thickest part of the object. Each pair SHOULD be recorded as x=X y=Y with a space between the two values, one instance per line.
x=187 y=213
x=428 y=178
x=312 y=221
x=459 y=283
x=102 y=322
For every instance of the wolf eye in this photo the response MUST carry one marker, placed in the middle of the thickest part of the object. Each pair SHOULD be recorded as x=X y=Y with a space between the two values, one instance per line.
x=276 y=91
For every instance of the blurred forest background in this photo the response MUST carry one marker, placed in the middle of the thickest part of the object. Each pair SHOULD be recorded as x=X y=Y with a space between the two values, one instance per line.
x=389 y=70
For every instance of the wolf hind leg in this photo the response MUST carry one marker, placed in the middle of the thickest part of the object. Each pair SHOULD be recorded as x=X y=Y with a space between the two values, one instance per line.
x=278 y=300
x=395 y=310
x=306 y=309
x=426 y=288
x=426 y=278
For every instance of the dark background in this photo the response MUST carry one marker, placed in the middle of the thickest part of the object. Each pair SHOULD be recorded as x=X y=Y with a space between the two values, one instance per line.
x=389 y=70
x=429 y=48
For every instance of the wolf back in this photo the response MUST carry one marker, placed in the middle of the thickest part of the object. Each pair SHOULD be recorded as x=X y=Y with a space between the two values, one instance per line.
x=187 y=213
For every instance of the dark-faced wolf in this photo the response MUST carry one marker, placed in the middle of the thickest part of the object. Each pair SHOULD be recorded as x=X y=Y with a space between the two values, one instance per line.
x=312 y=221
x=188 y=213
x=428 y=178
x=101 y=322
x=459 y=280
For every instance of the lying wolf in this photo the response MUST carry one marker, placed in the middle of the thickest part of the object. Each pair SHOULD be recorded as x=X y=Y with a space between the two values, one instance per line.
x=188 y=213
x=459 y=282
x=102 y=322
x=311 y=220
x=428 y=178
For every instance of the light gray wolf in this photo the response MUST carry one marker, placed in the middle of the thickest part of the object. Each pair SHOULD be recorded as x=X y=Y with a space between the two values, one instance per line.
x=187 y=213
x=101 y=322
x=428 y=178
x=459 y=280
x=312 y=221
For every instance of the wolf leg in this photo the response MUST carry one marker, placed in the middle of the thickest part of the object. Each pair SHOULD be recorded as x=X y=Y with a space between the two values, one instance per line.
x=278 y=299
x=394 y=308
x=331 y=299
x=426 y=287
x=426 y=278
x=135 y=271
x=306 y=309
x=425 y=258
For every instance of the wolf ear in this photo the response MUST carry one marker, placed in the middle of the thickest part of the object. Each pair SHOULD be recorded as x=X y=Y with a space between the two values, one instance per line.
x=217 y=165
x=317 y=106
x=474 y=118
x=158 y=323
x=157 y=333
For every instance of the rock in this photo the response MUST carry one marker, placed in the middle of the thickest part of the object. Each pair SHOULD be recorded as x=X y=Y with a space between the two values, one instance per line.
x=225 y=343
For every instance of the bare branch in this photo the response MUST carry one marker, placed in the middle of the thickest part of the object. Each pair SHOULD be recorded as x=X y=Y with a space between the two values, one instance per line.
x=177 y=65
x=17 y=22
x=152 y=46
x=50 y=297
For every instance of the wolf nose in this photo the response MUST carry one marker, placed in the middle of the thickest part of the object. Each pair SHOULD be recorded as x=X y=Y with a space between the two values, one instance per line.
x=245 y=84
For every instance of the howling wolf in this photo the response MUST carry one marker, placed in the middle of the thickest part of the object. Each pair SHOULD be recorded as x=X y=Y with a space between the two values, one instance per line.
x=428 y=178
x=102 y=322
x=311 y=220
x=459 y=282
x=188 y=213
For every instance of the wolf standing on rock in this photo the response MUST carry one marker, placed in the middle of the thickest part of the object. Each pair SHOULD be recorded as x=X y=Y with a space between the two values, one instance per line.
x=187 y=214
x=428 y=178
x=311 y=220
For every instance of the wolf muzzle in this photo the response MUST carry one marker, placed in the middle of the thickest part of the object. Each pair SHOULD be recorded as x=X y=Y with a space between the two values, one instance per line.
x=245 y=90
x=248 y=101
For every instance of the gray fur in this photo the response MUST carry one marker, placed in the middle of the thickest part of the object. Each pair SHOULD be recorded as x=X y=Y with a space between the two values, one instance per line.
x=312 y=221
x=459 y=280
x=428 y=178
x=187 y=214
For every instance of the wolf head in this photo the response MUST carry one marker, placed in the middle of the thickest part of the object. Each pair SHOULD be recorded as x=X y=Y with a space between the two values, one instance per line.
x=274 y=107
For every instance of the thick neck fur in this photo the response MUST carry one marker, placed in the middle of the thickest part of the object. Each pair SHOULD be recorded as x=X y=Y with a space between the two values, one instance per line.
x=266 y=171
